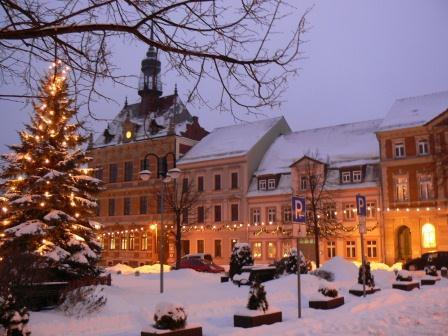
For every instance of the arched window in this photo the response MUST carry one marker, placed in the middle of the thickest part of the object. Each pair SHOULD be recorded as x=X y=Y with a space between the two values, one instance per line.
x=428 y=235
x=131 y=240
x=112 y=242
x=144 y=244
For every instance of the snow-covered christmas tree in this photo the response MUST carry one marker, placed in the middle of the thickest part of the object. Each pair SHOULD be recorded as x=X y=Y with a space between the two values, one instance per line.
x=49 y=193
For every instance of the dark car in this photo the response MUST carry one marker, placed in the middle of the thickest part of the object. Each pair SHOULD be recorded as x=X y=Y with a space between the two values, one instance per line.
x=438 y=259
x=200 y=265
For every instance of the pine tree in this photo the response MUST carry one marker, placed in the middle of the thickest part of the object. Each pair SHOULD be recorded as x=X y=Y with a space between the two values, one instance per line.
x=257 y=297
x=241 y=256
x=48 y=194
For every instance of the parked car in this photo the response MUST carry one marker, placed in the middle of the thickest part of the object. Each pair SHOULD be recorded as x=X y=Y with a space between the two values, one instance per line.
x=438 y=259
x=200 y=265
x=205 y=256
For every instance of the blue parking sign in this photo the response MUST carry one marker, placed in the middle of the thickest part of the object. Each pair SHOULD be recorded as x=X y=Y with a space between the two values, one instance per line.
x=298 y=208
x=361 y=206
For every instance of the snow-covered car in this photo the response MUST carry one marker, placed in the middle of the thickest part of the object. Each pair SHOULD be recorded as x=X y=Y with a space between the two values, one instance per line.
x=200 y=265
x=205 y=256
x=438 y=259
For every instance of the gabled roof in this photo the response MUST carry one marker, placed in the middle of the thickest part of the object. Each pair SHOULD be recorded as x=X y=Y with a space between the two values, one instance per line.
x=230 y=141
x=415 y=111
x=172 y=112
x=341 y=145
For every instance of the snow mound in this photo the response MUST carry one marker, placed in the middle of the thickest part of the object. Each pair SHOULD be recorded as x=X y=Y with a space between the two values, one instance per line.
x=124 y=269
x=150 y=269
x=342 y=269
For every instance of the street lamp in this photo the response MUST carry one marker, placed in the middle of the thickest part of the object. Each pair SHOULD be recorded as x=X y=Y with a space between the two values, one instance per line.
x=145 y=175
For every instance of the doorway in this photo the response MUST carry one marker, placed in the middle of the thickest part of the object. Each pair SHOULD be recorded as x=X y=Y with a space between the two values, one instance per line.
x=404 y=243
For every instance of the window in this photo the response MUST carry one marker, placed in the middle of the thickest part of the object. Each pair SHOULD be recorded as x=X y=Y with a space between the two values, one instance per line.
x=330 y=210
x=201 y=214
x=217 y=182
x=200 y=246
x=185 y=184
x=271 y=184
x=261 y=184
x=425 y=187
x=422 y=147
x=234 y=178
x=113 y=171
x=126 y=206
x=128 y=171
x=428 y=236
x=131 y=241
x=99 y=173
x=287 y=217
x=346 y=177
x=399 y=150
x=349 y=211
x=257 y=250
x=113 y=242
x=144 y=244
x=200 y=183
x=350 y=249
x=143 y=205
x=124 y=242
x=271 y=215
x=401 y=188
x=185 y=247
x=111 y=211
x=371 y=209
x=218 y=248
x=371 y=249
x=272 y=250
x=331 y=249
x=185 y=216
x=303 y=183
x=286 y=248
x=234 y=212
x=256 y=216
x=217 y=213
x=357 y=176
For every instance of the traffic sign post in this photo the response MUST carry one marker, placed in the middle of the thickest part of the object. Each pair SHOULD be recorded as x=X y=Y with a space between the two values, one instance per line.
x=298 y=207
x=361 y=210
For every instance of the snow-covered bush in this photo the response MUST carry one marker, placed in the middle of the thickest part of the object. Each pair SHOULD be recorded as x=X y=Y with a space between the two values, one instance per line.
x=291 y=262
x=82 y=301
x=444 y=271
x=241 y=256
x=431 y=270
x=14 y=317
x=323 y=274
x=257 y=297
x=169 y=316
x=328 y=290
x=370 y=281
x=403 y=276
x=137 y=273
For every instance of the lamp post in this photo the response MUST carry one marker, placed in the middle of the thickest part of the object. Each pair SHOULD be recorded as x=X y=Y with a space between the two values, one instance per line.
x=165 y=178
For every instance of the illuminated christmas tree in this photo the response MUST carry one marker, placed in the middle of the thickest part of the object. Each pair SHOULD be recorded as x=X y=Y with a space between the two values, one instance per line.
x=48 y=194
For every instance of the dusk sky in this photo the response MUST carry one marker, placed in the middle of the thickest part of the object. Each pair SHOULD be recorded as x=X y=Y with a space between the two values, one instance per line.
x=359 y=57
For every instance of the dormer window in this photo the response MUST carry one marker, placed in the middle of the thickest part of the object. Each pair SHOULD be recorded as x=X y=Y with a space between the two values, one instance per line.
x=128 y=135
x=357 y=176
x=399 y=150
x=271 y=184
x=422 y=146
x=303 y=183
x=262 y=185
x=346 y=177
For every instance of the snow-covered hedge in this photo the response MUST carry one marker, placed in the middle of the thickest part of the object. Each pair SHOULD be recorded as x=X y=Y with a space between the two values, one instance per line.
x=431 y=270
x=169 y=316
x=328 y=290
x=403 y=275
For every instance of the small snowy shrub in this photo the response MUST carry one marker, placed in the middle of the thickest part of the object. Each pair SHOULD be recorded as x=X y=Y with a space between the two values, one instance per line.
x=169 y=316
x=370 y=282
x=291 y=262
x=257 y=297
x=137 y=273
x=403 y=276
x=118 y=272
x=241 y=256
x=328 y=291
x=431 y=270
x=326 y=275
x=13 y=317
x=82 y=301
x=444 y=271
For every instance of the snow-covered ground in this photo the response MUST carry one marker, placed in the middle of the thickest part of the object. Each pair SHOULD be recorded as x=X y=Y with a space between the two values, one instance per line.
x=131 y=302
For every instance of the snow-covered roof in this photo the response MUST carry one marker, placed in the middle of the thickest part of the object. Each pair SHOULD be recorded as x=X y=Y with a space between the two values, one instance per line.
x=415 y=111
x=343 y=145
x=172 y=112
x=283 y=187
x=229 y=141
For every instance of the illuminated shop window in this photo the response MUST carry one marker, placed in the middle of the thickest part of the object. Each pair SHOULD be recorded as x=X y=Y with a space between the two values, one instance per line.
x=257 y=250
x=428 y=235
